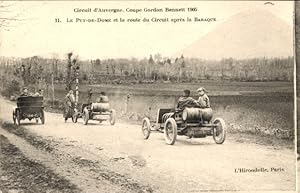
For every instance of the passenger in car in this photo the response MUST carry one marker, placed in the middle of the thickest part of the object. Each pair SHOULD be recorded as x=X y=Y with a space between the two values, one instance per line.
x=40 y=92
x=203 y=100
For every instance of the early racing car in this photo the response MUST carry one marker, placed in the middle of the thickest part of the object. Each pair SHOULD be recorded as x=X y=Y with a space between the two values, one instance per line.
x=30 y=107
x=192 y=122
x=96 y=111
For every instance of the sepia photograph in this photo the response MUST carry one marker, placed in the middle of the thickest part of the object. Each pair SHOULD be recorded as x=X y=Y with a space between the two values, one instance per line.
x=149 y=96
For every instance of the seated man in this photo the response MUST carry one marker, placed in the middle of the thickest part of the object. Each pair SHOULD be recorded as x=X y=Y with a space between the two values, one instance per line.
x=39 y=93
x=25 y=92
x=102 y=98
x=186 y=101
x=102 y=103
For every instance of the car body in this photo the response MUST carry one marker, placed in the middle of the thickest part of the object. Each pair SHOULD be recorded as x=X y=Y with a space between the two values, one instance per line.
x=96 y=111
x=193 y=122
x=29 y=107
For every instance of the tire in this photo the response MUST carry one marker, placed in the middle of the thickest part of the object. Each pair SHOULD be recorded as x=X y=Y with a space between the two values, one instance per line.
x=112 y=118
x=18 y=117
x=42 y=117
x=14 y=118
x=75 y=117
x=85 y=116
x=219 y=132
x=170 y=127
x=146 y=128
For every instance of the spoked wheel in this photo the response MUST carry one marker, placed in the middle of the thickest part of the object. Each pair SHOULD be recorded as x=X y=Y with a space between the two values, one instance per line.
x=219 y=132
x=75 y=117
x=14 y=117
x=112 y=118
x=146 y=127
x=85 y=116
x=18 y=117
x=42 y=117
x=170 y=131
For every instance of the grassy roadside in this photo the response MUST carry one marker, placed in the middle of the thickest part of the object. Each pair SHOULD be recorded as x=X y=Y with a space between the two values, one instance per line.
x=270 y=141
x=97 y=169
x=21 y=174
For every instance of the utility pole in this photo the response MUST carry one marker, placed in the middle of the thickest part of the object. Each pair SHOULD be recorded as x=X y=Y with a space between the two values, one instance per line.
x=52 y=86
x=69 y=66
x=76 y=85
x=73 y=75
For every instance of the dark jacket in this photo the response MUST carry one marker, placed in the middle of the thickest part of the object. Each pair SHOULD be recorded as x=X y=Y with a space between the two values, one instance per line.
x=186 y=102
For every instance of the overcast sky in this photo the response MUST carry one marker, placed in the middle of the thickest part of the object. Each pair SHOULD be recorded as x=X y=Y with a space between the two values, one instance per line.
x=38 y=34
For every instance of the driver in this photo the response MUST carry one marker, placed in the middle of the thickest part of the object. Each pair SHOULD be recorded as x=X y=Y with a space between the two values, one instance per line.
x=102 y=98
x=186 y=100
x=69 y=104
x=25 y=92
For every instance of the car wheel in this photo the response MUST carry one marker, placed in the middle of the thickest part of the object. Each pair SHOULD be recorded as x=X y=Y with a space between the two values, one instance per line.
x=42 y=117
x=170 y=131
x=85 y=116
x=146 y=127
x=14 y=117
x=18 y=118
x=75 y=117
x=219 y=132
x=112 y=119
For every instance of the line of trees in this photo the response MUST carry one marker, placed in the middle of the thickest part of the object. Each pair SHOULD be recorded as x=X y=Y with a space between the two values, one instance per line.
x=37 y=70
x=186 y=70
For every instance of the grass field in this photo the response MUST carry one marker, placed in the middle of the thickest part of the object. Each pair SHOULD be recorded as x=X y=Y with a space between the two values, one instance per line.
x=213 y=87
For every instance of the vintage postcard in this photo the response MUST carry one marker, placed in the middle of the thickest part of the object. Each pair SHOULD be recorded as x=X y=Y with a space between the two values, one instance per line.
x=140 y=96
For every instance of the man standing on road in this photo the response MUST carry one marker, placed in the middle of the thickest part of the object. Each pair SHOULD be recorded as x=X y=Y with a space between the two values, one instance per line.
x=69 y=105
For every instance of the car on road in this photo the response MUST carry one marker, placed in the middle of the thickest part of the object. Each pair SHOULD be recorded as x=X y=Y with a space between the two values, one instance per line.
x=192 y=122
x=96 y=111
x=29 y=107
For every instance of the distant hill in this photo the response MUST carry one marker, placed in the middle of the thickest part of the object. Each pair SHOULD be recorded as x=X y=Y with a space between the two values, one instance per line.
x=252 y=33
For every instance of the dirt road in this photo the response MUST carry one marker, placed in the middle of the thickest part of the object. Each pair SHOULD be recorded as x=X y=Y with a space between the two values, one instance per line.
x=103 y=158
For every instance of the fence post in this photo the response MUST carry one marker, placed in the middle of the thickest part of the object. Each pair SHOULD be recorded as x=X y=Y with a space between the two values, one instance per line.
x=127 y=102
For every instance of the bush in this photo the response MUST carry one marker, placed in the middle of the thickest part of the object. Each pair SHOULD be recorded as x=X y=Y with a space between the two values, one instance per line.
x=11 y=88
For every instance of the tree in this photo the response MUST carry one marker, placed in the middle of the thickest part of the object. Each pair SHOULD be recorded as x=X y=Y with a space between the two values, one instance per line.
x=72 y=71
